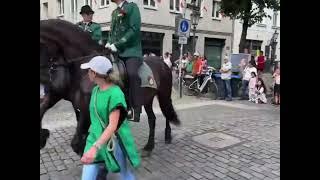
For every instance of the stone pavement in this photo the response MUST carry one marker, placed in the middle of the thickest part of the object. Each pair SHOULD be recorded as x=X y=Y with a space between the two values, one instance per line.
x=217 y=140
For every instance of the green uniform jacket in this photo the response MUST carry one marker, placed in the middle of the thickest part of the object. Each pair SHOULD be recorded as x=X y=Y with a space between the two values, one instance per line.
x=94 y=29
x=125 y=30
x=105 y=101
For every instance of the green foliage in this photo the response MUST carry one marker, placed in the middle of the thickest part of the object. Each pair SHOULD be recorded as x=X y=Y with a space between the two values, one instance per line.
x=251 y=11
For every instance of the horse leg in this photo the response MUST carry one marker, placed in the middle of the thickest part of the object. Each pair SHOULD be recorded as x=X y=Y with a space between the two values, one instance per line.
x=80 y=104
x=152 y=125
x=46 y=104
x=168 y=111
x=167 y=134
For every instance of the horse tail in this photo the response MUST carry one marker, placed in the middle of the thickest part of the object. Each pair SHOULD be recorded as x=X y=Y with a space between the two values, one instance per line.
x=164 y=97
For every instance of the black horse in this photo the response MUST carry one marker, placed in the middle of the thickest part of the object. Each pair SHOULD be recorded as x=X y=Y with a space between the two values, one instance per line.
x=63 y=47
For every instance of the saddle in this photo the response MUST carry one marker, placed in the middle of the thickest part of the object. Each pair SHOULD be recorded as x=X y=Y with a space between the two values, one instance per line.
x=144 y=72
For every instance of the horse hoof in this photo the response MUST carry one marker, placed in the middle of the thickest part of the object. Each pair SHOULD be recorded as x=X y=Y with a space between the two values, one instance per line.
x=145 y=153
x=148 y=147
x=167 y=141
x=44 y=135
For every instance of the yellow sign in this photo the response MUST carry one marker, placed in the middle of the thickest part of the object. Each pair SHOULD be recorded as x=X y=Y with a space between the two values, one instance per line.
x=258 y=52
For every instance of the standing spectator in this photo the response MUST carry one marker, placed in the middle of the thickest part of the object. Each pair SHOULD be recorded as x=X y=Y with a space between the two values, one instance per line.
x=189 y=66
x=260 y=92
x=253 y=62
x=184 y=62
x=276 y=89
x=260 y=63
x=226 y=77
x=196 y=69
x=246 y=77
x=166 y=59
x=252 y=86
x=204 y=69
x=242 y=65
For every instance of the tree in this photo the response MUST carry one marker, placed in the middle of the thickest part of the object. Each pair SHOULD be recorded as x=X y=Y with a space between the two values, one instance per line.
x=249 y=11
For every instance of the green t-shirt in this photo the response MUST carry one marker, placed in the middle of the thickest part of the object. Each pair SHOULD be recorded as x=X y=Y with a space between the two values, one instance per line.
x=189 y=67
x=107 y=101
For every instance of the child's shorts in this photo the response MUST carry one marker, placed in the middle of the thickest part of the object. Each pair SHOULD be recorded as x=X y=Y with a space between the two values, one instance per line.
x=277 y=88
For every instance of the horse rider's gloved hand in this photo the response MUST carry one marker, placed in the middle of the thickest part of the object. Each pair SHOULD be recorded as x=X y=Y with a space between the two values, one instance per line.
x=108 y=45
x=113 y=48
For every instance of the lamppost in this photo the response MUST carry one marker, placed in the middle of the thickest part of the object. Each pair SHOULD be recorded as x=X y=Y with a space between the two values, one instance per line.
x=195 y=17
x=273 y=44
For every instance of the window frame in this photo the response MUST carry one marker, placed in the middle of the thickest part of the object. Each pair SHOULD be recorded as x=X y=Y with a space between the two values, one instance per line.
x=106 y=4
x=60 y=8
x=74 y=9
x=214 y=10
x=174 y=10
x=89 y=2
x=149 y=6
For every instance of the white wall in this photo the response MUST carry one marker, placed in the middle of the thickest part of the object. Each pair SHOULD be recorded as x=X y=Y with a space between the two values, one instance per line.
x=161 y=17
x=262 y=32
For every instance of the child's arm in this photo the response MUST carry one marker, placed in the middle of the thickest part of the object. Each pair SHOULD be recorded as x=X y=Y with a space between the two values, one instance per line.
x=261 y=90
x=111 y=128
x=89 y=156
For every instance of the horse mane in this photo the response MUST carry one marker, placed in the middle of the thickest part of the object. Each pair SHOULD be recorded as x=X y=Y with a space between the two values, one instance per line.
x=67 y=39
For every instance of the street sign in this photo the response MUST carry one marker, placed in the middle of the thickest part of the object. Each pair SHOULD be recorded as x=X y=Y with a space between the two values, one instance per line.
x=183 y=40
x=184 y=28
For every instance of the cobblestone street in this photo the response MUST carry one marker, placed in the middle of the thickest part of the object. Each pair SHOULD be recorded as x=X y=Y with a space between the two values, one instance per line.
x=217 y=140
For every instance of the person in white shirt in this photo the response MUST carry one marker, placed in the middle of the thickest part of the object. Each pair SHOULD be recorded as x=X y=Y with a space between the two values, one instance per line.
x=226 y=77
x=276 y=87
x=246 y=77
x=260 y=94
x=167 y=60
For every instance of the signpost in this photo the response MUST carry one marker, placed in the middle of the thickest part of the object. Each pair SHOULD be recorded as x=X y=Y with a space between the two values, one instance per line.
x=183 y=33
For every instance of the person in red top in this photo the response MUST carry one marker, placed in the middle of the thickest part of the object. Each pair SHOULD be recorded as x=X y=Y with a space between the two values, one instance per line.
x=260 y=62
x=196 y=70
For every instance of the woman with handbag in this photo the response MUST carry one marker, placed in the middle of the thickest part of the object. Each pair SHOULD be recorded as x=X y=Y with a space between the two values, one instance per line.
x=110 y=140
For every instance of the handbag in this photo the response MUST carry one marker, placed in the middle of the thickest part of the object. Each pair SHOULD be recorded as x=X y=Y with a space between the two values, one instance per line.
x=108 y=154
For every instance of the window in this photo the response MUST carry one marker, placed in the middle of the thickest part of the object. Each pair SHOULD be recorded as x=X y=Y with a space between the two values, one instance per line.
x=88 y=2
x=149 y=4
x=45 y=10
x=175 y=5
x=74 y=6
x=60 y=4
x=262 y=23
x=253 y=46
x=104 y=3
x=216 y=6
x=275 y=18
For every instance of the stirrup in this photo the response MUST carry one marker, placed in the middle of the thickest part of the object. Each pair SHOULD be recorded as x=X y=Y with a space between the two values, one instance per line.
x=133 y=115
x=130 y=115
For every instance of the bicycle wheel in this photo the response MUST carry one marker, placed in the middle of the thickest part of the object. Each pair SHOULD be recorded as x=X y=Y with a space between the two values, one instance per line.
x=213 y=90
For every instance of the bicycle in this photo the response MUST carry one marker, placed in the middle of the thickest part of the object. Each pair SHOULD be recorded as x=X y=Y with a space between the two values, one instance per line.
x=208 y=85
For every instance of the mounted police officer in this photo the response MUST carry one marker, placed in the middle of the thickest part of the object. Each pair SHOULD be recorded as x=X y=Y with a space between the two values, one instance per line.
x=125 y=38
x=88 y=25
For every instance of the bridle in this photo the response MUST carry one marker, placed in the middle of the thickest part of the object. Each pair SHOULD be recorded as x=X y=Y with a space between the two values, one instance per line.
x=55 y=62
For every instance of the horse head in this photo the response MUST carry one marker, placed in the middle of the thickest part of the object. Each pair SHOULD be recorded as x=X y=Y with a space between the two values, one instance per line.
x=54 y=71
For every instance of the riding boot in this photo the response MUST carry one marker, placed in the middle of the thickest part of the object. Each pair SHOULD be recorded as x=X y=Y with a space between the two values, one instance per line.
x=136 y=114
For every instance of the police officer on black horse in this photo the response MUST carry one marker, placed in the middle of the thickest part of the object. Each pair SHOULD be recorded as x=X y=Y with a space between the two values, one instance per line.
x=125 y=39
x=88 y=25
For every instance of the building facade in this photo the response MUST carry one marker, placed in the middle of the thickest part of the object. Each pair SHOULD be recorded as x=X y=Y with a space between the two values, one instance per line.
x=213 y=35
x=259 y=36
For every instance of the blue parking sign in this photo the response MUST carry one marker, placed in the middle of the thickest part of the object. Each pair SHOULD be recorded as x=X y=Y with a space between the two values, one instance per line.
x=184 y=28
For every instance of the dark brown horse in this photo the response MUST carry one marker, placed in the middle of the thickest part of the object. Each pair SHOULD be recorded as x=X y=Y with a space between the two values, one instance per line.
x=63 y=47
